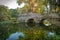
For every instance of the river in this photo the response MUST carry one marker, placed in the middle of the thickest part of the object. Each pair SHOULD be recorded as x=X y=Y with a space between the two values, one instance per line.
x=23 y=29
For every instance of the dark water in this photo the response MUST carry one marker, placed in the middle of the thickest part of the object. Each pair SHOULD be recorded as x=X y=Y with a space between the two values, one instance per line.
x=12 y=31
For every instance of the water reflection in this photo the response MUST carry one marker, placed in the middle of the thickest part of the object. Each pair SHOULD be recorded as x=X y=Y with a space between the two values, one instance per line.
x=31 y=29
x=51 y=34
x=16 y=36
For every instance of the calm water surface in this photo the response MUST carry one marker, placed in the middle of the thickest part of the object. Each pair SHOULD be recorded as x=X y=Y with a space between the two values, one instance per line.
x=14 y=31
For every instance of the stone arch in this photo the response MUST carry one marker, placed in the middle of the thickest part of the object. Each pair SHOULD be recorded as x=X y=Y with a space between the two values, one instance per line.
x=41 y=22
x=29 y=19
x=30 y=22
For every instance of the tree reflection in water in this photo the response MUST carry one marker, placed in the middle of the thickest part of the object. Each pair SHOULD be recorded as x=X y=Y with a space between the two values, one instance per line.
x=31 y=31
x=16 y=36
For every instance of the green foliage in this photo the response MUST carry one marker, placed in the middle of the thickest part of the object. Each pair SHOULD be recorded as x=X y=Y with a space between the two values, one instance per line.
x=4 y=13
x=14 y=12
x=3 y=33
x=39 y=35
x=37 y=6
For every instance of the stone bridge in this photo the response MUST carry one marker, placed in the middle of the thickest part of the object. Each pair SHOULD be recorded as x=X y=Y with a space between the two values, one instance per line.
x=53 y=17
x=25 y=17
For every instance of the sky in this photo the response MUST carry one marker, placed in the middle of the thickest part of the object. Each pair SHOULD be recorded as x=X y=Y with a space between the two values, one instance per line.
x=11 y=4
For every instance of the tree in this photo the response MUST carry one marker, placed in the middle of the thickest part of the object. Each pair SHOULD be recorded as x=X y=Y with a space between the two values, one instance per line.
x=14 y=12
x=55 y=5
x=4 y=16
x=4 y=13
x=37 y=6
